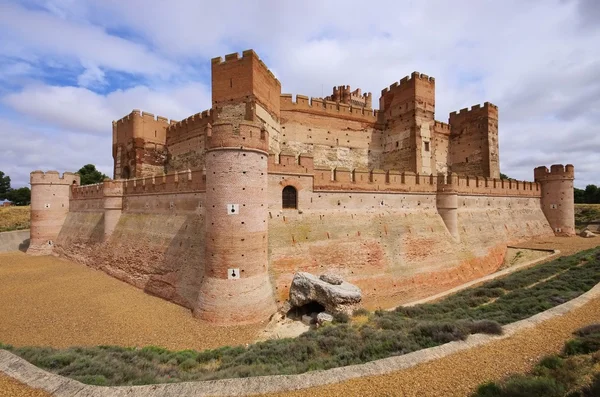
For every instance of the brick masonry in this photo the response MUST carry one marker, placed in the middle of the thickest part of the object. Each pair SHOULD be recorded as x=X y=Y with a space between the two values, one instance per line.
x=400 y=204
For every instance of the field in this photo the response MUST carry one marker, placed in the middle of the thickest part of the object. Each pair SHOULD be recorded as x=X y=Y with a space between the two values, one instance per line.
x=364 y=337
x=586 y=214
x=14 y=218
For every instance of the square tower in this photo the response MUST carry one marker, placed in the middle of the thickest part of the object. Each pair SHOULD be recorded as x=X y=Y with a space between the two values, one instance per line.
x=408 y=110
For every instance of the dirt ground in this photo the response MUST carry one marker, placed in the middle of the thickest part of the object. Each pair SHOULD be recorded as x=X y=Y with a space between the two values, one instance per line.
x=49 y=301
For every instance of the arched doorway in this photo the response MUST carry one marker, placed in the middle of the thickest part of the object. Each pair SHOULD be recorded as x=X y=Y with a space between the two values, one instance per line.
x=289 y=197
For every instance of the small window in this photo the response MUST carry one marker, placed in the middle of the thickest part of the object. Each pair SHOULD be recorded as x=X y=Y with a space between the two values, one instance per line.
x=426 y=146
x=466 y=159
x=289 y=197
x=397 y=143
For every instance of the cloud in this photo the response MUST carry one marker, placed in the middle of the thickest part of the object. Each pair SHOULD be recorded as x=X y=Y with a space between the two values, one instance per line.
x=80 y=64
x=80 y=109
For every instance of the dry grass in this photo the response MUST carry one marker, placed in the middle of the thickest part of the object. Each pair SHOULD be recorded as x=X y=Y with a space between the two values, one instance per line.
x=14 y=218
x=586 y=213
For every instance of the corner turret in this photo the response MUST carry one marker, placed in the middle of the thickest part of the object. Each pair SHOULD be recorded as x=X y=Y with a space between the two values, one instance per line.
x=50 y=194
x=235 y=287
x=558 y=201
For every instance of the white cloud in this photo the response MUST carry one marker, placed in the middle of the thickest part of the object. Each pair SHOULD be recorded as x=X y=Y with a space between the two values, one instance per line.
x=536 y=60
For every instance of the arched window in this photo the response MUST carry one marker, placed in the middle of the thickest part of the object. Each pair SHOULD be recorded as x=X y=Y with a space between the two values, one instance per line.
x=289 y=197
x=125 y=173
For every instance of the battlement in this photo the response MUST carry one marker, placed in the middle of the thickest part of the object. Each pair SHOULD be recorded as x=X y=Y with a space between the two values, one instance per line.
x=246 y=135
x=288 y=162
x=246 y=55
x=409 y=81
x=327 y=107
x=176 y=182
x=194 y=125
x=441 y=127
x=556 y=172
x=475 y=111
x=53 y=178
x=146 y=116
x=95 y=191
x=344 y=179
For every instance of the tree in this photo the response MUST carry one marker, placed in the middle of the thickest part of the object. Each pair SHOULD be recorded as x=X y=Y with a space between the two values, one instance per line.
x=90 y=175
x=504 y=176
x=579 y=196
x=21 y=196
x=4 y=185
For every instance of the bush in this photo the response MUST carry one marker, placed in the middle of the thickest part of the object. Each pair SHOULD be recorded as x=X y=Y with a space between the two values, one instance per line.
x=523 y=386
x=490 y=389
x=582 y=345
x=361 y=312
x=341 y=318
x=484 y=327
x=588 y=330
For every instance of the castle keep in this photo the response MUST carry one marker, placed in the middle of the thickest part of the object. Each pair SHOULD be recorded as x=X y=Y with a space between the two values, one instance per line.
x=218 y=211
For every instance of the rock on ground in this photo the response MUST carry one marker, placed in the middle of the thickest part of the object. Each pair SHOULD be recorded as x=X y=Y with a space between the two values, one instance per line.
x=307 y=288
x=587 y=234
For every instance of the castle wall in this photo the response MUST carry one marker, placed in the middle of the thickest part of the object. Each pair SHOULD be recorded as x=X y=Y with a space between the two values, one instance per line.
x=441 y=143
x=157 y=244
x=394 y=246
x=185 y=142
x=334 y=135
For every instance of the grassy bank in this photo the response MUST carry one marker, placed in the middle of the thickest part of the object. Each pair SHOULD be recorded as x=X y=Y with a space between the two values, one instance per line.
x=14 y=218
x=586 y=213
x=573 y=373
x=364 y=337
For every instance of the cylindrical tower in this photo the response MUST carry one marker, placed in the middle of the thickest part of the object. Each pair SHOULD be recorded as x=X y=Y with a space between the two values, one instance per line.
x=558 y=199
x=113 y=205
x=50 y=194
x=235 y=288
x=447 y=204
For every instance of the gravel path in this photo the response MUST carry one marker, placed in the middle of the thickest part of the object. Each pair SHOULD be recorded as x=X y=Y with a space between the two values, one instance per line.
x=48 y=301
x=11 y=388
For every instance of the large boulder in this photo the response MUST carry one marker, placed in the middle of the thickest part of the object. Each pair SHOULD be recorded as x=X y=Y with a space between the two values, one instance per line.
x=587 y=234
x=335 y=298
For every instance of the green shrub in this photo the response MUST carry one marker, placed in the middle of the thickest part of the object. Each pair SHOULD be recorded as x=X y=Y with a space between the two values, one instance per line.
x=490 y=389
x=582 y=345
x=361 y=312
x=484 y=327
x=523 y=386
x=588 y=330
x=188 y=364
x=341 y=318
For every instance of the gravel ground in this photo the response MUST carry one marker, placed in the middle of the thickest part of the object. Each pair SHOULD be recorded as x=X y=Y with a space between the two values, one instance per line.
x=48 y=301
x=11 y=388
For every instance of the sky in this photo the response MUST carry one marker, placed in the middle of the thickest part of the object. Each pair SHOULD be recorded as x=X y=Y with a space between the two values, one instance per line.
x=70 y=67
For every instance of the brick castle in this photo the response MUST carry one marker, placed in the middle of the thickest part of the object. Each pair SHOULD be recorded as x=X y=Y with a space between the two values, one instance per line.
x=216 y=212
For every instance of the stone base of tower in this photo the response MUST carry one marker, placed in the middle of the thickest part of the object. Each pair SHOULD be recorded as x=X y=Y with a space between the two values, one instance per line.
x=235 y=301
x=40 y=249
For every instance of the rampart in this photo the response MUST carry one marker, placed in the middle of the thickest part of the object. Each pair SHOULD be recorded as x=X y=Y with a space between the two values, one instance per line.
x=246 y=135
x=327 y=108
x=415 y=86
x=191 y=127
x=475 y=111
x=247 y=78
x=442 y=128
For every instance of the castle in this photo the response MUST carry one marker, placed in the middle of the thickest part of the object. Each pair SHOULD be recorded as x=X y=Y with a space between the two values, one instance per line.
x=218 y=211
